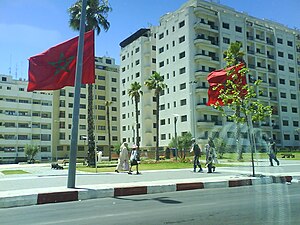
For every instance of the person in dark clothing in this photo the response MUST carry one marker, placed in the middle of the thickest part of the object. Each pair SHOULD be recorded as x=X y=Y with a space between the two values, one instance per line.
x=197 y=152
x=272 y=151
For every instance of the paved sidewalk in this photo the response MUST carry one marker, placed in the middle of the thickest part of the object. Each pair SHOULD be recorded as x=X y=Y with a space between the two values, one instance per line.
x=44 y=185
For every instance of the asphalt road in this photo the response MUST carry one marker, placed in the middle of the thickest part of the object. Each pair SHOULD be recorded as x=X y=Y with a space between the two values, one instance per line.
x=254 y=205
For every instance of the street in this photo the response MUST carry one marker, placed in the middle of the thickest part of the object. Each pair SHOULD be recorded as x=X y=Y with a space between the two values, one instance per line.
x=262 y=204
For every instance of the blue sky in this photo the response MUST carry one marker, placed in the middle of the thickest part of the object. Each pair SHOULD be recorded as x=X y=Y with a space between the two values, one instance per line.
x=29 y=27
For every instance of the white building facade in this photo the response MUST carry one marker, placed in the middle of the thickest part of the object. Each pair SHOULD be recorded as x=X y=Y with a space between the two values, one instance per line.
x=25 y=119
x=189 y=44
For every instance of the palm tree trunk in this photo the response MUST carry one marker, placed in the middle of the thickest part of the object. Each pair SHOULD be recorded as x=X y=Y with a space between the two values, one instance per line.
x=109 y=134
x=91 y=137
x=157 y=127
x=137 y=125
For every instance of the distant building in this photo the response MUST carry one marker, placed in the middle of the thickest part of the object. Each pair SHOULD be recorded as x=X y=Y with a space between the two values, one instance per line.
x=187 y=45
x=105 y=89
x=44 y=118
x=25 y=119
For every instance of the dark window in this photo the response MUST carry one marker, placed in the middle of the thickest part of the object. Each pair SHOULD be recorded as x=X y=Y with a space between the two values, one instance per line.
x=181 y=55
x=181 y=24
x=181 y=39
x=226 y=25
x=279 y=40
x=238 y=29
x=290 y=43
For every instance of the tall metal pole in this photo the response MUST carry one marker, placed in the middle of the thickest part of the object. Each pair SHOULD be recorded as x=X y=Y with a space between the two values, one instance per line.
x=75 y=117
x=176 y=140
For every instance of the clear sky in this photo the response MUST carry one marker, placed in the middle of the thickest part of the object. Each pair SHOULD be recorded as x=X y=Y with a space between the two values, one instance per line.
x=29 y=27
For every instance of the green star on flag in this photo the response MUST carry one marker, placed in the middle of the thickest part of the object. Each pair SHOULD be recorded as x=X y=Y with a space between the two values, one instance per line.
x=62 y=64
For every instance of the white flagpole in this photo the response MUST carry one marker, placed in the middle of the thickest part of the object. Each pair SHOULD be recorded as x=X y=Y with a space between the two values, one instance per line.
x=75 y=117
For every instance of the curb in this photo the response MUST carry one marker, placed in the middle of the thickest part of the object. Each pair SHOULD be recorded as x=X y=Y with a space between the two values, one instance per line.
x=54 y=196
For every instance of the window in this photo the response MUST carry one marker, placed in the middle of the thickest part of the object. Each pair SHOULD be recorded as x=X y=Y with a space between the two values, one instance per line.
x=292 y=83
x=160 y=36
x=293 y=96
x=137 y=74
x=161 y=64
x=182 y=86
x=290 y=43
x=182 y=70
x=181 y=24
x=281 y=67
x=282 y=81
x=238 y=29
x=182 y=102
x=181 y=55
x=113 y=79
x=294 y=110
x=226 y=25
x=285 y=122
x=183 y=118
x=101 y=77
x=161 y=50
x=283 y=108
x=280 y=54
x=291 y=69
x=137 y=50
x=290 y=56
x=295 y=123
x=181 y=39
x=282 y=95
x=279 y=40
x=137 y=62
x=286 y=137
x=226 y=40
x=163 y=122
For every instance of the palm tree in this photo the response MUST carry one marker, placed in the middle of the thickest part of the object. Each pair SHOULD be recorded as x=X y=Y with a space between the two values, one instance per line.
x=135 y=93
x=107 y=104
x=96 y=14
x=156 y=82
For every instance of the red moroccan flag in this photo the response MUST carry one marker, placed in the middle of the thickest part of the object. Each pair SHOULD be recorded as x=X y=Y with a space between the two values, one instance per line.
x=55 y=68
x=217 y=80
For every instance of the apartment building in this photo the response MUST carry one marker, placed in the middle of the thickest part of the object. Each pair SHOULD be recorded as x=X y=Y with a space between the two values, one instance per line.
x=44 y=119
x=187 y=45
x=105 y=89
x=25 y=119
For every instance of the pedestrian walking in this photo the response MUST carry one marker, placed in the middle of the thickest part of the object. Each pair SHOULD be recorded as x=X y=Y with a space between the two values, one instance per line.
x=272 y=151
x=197 y=152
x=123 y=160
x=134 y=160
x=210 y=158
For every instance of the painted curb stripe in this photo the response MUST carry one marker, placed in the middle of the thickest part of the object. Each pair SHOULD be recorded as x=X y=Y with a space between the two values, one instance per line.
x=189 y=186
x=238 y=183
x=282 y=179
x=130 y=191
x=67 y=196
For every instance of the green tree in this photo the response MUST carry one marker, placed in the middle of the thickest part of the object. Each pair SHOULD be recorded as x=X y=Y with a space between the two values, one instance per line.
x=96 y=18
x=184 y=143
x=240 y=98
x=31 y=151
x=156 y=82
x=107 y=105
x=135 y=93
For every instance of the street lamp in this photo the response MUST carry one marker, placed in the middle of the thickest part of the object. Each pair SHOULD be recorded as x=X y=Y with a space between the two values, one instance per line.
x=175 y=126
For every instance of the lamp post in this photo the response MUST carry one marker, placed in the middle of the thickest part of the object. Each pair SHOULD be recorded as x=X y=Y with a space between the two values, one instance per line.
x=175 y=127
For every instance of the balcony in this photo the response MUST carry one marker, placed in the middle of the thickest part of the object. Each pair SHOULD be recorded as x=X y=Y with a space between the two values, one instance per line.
x=202 y=40
x=201 y=73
